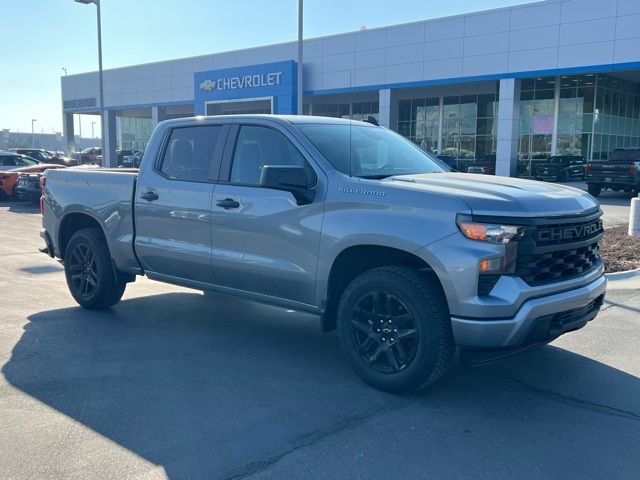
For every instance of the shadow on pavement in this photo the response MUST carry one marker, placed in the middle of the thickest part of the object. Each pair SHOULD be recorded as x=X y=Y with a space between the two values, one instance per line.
x=20 y=207
x=205 y=387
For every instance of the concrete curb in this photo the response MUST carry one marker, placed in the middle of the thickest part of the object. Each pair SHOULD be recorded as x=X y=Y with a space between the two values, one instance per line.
x=628 y=280
x=623 y=275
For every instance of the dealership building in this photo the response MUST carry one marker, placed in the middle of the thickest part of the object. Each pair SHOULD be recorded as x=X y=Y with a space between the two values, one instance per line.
x=504 y=87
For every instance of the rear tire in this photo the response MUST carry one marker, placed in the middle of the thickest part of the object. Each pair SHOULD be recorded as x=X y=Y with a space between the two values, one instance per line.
x=594 y=189
x=91 y=278
x=394 y=328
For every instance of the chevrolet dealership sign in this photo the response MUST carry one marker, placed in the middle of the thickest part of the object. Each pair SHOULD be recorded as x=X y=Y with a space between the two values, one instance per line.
x=246 y=81
x=275 y=81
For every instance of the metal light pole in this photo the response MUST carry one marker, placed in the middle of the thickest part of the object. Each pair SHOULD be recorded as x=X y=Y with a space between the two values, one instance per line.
x=64 y=69
x=79 y=132
x=33 y=136
x=105 y=155
x=300 y=88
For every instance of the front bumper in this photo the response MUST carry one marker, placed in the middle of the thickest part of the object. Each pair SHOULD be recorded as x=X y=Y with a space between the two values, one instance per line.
x=537 y=320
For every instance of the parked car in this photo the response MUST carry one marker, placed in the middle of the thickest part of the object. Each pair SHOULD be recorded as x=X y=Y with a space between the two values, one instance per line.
x=485 y=164
x=28 y=187
x=91 y=155
x=132 y=161
x=621 y=172
x=9 y=178
x=342 y=219
x=122 y=154
x=449 y=160
x=46 y=156
x=11 y=160
x=561 y=168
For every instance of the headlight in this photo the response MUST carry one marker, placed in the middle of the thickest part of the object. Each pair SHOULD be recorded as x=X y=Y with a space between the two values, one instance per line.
x=489 y=232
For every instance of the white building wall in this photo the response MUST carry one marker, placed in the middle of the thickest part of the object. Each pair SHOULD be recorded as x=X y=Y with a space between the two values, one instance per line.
x=548 y=35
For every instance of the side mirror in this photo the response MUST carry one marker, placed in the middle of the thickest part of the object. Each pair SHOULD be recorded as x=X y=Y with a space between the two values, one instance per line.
x=292 y=179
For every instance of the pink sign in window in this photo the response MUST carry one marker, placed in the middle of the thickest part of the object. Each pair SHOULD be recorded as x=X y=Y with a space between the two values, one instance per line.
x=543 y=124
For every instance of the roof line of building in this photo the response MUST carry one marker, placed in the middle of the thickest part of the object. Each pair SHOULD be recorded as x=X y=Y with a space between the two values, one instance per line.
x=333 y=35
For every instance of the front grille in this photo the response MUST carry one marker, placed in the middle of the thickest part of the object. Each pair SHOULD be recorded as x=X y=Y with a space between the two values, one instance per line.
x=555 y=266
x=559 y=249
x=556 y=234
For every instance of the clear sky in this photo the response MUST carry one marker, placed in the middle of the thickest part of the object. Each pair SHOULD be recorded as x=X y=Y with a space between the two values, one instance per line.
x=39 y=37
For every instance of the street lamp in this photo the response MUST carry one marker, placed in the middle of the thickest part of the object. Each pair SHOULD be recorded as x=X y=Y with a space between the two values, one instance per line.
x=64 y=69
x=33 y=136
x=105 y=154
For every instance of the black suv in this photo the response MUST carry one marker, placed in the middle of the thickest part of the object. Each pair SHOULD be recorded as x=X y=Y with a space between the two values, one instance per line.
x=561 y=168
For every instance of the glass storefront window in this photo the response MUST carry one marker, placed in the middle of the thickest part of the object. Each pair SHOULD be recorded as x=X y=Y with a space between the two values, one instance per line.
x=135 y=133
x=362 y=110
x=596 y=114
x=355 y=111
x=468 y=127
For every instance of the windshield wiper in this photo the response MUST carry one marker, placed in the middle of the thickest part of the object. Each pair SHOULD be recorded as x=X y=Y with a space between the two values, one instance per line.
x=377 y=176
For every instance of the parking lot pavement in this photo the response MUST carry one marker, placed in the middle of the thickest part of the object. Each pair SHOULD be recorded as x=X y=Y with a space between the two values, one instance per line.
x=615 y=205
x=168 y=384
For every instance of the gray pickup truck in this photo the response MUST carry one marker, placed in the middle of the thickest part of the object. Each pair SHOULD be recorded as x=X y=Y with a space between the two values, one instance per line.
x=344 y=219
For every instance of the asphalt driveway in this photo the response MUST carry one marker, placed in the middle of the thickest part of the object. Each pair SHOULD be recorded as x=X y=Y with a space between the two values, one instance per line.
x=169 y=384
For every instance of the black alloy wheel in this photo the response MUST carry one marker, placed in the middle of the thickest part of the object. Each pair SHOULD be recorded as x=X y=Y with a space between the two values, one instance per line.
x=384 y=332
x=83 y=270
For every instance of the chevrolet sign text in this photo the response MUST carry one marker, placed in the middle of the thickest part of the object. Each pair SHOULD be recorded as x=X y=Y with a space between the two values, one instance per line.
x=246 y=81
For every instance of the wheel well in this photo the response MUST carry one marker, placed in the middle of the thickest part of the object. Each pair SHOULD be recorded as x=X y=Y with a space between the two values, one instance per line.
x=71 y=224
x=353 y=261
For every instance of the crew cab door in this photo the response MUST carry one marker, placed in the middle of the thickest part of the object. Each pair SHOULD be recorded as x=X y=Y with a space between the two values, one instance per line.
x=264 y=240
x=173 y=204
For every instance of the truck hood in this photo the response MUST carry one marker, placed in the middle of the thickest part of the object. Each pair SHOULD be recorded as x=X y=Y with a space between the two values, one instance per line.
x=504 y=196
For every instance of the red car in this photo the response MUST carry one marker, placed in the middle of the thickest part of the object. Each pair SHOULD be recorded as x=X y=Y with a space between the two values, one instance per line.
x=9 y=178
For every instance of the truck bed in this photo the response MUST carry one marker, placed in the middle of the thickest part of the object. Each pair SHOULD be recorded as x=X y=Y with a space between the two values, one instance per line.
x=106 y=195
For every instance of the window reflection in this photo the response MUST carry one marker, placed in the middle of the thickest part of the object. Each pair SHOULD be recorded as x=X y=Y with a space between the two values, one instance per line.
x=468 y=128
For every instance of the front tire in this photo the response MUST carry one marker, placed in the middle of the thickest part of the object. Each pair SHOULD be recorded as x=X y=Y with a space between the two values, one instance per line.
x=91 y=278
x=394 y=328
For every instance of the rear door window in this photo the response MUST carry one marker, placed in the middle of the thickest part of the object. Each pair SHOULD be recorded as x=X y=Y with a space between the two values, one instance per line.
x=193 y=153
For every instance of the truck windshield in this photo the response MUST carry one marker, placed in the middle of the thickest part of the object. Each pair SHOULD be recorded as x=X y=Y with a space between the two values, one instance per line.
x=370 y=152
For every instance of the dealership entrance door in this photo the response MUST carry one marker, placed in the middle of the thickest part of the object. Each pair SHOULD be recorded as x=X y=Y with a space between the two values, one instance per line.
x=234 y=107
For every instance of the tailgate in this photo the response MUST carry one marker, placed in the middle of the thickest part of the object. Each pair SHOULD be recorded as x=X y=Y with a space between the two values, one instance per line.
x=610 y=169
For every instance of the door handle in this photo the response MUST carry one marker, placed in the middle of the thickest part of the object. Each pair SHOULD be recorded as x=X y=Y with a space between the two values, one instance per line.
x=227 y=203
x=149 y=196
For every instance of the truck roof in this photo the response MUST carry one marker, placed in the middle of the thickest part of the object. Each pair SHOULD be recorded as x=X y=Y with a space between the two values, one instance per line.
x=292 y=119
